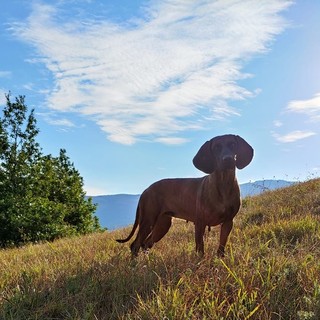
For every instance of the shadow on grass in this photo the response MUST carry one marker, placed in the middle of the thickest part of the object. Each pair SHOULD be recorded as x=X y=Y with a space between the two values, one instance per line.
x=108 y=290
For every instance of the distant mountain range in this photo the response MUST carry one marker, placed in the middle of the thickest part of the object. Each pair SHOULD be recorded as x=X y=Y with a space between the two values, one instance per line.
x=116 y=211
x=257 y=187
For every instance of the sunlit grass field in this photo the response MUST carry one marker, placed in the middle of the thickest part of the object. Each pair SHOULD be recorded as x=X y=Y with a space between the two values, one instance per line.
x=271 y=270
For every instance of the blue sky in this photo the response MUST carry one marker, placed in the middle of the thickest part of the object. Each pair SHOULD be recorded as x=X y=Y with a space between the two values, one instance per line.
x=132 y=89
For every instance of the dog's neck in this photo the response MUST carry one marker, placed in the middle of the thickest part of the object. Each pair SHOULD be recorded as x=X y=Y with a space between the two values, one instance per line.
x=226 y=177
x=224 y=182
x=217 y=190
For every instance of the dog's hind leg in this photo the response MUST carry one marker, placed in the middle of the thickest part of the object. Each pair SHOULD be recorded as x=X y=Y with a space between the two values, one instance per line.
x=145 y=229
x=160 y=229
x=147 y=223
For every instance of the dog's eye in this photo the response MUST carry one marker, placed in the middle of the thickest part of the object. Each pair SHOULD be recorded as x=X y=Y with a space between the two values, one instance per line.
x=218 y=147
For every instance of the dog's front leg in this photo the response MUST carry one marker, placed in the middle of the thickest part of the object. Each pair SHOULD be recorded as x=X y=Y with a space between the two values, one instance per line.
x=225 y=230
x=199 y=232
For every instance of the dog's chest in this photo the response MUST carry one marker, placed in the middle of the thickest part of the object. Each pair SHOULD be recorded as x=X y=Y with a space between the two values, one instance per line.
x=223 y=208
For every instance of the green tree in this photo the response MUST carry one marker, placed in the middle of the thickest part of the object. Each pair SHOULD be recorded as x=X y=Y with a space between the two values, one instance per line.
x=60 y=185
x=41 y=196
x=19 y=149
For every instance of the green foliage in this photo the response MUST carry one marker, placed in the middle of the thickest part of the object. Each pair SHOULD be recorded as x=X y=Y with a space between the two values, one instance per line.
x=41 y=196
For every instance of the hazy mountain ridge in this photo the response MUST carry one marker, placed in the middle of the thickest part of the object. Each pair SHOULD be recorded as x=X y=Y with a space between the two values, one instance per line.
x=257 y=187
x=119 y=210
x=116 y=211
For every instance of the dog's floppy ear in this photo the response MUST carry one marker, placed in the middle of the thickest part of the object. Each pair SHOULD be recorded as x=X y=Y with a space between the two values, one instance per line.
x=203 y=160
x=244 y=153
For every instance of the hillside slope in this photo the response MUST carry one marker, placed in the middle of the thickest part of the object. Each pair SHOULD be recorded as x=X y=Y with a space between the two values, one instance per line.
x=271 y=270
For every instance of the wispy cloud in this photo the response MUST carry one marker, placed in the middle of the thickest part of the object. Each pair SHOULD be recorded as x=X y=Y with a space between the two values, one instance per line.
x=309 y=107
x=61 y=122
x=56 y=121
x=157 y=76
x=5 y=74
x=277 y=123
x=171 y=140
x=293 y=136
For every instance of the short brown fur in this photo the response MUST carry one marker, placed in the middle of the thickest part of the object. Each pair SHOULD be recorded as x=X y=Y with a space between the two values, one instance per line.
x=208 y=201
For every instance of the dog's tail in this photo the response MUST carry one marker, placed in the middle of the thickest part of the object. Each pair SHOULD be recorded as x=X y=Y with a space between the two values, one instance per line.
x=136 y=223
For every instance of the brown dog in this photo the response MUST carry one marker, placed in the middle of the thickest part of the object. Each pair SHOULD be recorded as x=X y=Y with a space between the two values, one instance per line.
x=208 y=201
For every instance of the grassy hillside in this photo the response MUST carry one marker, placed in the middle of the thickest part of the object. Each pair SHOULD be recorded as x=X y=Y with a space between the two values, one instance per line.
x=271 y=271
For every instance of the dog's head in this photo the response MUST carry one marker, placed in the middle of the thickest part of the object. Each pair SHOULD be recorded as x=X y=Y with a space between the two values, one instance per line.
x=223 y=153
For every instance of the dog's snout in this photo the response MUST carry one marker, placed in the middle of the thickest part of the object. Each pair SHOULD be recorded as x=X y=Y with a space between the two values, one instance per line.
x=228 y=161
x=227 y=158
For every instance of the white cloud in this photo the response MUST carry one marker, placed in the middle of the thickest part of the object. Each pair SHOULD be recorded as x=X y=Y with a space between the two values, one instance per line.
x=53 y=120
x=5 y=74
x=157 y=75
x=61 y=122
x=171 y=140
x=309 y=107
x=293 y=136
x=277 y=123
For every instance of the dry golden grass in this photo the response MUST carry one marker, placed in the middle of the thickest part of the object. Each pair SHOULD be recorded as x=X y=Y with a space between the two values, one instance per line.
x=271 y=271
